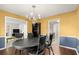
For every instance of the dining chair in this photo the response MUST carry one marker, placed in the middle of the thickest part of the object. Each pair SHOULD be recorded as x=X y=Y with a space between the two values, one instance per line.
x=40 y=49
x=49 y=45
x=30 y=35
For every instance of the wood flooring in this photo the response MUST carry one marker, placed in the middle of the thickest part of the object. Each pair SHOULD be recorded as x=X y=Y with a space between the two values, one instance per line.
x=11 y=51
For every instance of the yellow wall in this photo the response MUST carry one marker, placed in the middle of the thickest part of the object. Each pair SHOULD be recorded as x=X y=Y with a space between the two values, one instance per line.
x=2 y=20
x=69 y=23
x=44 y=26
x=2 y=28
x=29 y=26
x=77 y=22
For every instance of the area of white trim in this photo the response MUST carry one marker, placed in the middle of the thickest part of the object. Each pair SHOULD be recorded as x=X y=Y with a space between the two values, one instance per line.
x=5 y=31
x=54 y=20
x=58 y=21
x=5 y=48
x=70 y=48
x=69 y=36
x=2 y=48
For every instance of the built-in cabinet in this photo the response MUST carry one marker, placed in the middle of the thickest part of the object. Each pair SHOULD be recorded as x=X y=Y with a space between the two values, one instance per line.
x=36 y=29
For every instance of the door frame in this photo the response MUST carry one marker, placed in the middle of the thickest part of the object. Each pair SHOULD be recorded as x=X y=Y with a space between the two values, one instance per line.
x=54 y=20
x=16 y=19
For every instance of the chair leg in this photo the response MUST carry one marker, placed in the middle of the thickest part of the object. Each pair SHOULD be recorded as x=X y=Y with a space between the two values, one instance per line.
x=49 y=50
x=20 y=52
x=26 y=52
x=44 y=51
x=52 y=50
x=16 y=51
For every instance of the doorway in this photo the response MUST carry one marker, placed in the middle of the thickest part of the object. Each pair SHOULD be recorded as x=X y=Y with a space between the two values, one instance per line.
x=14 y=25
x=54 y=28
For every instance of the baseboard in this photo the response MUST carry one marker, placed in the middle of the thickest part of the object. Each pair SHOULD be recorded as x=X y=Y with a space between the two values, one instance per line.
x=70 y=48
x=5 y=48
x=2 y=48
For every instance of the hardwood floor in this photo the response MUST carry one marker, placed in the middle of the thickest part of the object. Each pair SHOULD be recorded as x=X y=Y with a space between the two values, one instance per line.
x=65 y=51
x=11 y=51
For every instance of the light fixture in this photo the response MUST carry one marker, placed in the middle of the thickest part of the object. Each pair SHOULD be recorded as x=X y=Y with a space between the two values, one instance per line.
x=33 y=14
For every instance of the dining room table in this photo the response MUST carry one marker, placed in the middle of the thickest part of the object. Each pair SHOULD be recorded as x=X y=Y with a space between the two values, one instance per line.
x=25 y=43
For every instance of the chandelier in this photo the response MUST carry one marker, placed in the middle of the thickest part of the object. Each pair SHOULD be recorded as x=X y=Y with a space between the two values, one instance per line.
x=33 y=14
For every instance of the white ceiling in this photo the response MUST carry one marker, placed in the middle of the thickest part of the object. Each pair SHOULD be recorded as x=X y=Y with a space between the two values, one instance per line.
x=44 y=10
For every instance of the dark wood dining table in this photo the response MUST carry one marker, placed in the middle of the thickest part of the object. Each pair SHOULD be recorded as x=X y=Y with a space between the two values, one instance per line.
x=25 y=43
